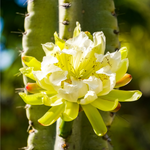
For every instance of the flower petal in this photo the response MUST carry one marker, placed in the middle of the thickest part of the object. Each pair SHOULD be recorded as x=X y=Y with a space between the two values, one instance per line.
x=123 y=96
x=79 y=41
x=69 y=92
x=49 y=48
x=57 y=77
x=122 y=69
x=58 y=41
x=82 y=87
x=104 y=104
x=95 y=84
x=39 y=75
x=45 y=84
x=109 y=82
x=51 y=115
x=53 y=101
x=71 y=111
x=124 y=52
x=99 y=42
x=32 y=62
x=88 y=98
x=95 y=119
x=34 y=99
x=77 y=30
x=27 y=71
x=123 y=81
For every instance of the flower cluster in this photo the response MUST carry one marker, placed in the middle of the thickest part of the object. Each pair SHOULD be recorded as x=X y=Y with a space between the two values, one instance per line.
x=76 y=73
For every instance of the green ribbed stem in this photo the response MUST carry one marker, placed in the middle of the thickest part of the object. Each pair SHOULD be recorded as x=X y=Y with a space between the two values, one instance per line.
x=98 y=15
x=68 y=17
x=65 y=128
x=40 y=25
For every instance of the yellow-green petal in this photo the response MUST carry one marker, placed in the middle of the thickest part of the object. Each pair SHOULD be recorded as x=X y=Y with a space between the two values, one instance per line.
x=122 y=69
x=48 y=48
x=32 y=62
x=124 y=52
x=95 y=119
x=53 y=101
x=123 y=96
x=71 y=111
x=104 y=104
x=34 y=99
x=123 y=81
x=27 y=71
x=51 y=115
x=77 y=30
x=59 y=42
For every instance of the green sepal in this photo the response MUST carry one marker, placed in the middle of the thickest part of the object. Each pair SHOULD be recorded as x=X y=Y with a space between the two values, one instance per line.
x=34 y=99
x=51 y=115
x=71 y=111
x=95 y=119
x=27 y=71
x=123 y=96
x=104 y=104
x=59 y=42
x=32 y=62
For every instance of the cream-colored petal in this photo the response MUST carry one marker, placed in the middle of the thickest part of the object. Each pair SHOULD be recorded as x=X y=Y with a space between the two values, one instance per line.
x=49 y=47
x=82 y=87
x=95 y=84
x=57 y=77
x=69 y=92
x=88 y=98
x=39 y=75
x=109 y=81
x=81 y=40
x=99 y=42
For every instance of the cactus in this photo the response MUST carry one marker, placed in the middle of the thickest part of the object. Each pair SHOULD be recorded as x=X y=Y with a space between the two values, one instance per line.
x=40 y=24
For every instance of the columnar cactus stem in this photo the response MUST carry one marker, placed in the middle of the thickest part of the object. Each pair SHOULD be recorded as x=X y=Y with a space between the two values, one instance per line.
x=40 y=25
x=100 y=16
x=95 y=16
x=70 y=11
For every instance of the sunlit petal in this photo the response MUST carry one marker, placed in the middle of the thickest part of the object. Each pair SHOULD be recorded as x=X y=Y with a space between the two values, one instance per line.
x=71 y=111
x=51 y=115
x=104 y=104
x=95 y=119
x=34 y=99
x=123 y=96
x=88 y=98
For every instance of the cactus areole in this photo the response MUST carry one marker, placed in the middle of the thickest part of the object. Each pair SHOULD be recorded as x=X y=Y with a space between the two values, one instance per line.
x=77 y=75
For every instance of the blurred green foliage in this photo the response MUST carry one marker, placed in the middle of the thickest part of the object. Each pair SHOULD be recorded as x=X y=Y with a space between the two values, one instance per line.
x=131 y=127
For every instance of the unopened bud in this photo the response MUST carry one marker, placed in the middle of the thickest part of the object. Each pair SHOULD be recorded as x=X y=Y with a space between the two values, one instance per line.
x=33 y=88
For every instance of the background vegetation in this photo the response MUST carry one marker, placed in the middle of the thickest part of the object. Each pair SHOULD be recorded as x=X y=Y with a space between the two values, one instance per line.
x=131 y=127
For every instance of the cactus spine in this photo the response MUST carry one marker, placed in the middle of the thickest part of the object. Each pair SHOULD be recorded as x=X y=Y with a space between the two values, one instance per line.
x=40 y=24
